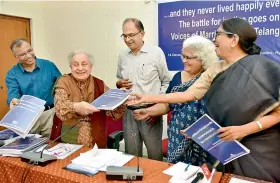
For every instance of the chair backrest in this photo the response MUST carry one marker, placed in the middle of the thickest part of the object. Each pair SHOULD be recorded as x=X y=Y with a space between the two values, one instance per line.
x=113 y=141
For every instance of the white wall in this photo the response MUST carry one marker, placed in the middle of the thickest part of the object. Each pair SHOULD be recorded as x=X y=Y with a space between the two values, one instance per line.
x=59 y=27
x=1 y=5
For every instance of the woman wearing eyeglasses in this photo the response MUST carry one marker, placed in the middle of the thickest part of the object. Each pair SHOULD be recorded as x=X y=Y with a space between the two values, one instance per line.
x=198 y=53
x=242 y=93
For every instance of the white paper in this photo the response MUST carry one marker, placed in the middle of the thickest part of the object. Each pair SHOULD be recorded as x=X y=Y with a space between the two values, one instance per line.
x=99 y=159
x=181 y=176
x=236 y=180
x=120 y=160
x=61 y=150
x=178 y=170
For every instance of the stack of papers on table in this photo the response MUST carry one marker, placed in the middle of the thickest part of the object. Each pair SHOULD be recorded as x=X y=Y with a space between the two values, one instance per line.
x=180 y=175
x=61 y=150
x=99 y=159
x=178 y=171
x=16 y=146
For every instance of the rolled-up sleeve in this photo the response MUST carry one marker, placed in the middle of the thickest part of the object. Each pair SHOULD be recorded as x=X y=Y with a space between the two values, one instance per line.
x=164 y=74
x=13 y=87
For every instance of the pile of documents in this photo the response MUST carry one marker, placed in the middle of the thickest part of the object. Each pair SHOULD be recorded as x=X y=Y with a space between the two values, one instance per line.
x=96 y=159
x=186 y=173
x=61 y=150
x=16 y=146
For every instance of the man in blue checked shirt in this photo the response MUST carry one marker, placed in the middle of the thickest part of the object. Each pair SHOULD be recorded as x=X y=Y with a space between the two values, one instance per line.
x=32 y=76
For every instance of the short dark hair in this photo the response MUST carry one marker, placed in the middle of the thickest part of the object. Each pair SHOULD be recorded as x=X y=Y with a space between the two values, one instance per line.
x=137 y=22
x=246 y=33
x=17 y=43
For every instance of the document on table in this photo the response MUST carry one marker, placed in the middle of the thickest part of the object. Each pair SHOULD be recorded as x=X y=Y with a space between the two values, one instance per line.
x=99 y=159
x=180 y=175
x=61 y=150
x=178 y=170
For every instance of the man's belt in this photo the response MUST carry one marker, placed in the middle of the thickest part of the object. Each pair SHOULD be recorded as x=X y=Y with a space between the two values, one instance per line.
x=48 y=107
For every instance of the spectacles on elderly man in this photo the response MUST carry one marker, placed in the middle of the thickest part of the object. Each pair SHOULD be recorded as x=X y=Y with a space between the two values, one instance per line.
x=129 y=36
x=185 y=57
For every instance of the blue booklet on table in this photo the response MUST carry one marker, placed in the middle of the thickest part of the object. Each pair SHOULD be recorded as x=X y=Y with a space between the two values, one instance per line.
x=203 y=132
x=20 y=145
x=24 y=115
x=111 y=99
x=7 y=134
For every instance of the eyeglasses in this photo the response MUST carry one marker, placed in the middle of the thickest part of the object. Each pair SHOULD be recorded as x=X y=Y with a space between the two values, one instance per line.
x=185 y=57
x=217 y=33
x=24 y=54
x=129 y=36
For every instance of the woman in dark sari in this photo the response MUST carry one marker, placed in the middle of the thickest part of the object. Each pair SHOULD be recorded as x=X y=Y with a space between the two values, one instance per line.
x=198 y=53
x=243 y=97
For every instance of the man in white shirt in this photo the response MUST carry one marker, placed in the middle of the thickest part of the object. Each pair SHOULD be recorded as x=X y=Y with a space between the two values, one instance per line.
x=141 y=67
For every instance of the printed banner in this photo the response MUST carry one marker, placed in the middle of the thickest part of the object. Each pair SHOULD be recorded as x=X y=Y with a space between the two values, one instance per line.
x=179 y=20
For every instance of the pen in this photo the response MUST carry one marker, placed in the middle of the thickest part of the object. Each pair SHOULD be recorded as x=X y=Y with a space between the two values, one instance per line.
x=186 y=169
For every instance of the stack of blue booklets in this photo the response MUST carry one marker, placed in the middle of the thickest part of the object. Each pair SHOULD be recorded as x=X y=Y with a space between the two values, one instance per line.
x=111 y=99
x=20 y=145
x=24 y=115
x=203 y=132
x=7 y=134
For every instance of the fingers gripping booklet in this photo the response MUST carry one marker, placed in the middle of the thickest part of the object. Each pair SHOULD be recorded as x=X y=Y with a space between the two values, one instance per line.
x=24 y=115
x=111 y=99
x=203 y=132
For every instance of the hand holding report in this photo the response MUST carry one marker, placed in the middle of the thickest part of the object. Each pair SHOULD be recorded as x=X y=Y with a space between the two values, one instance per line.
x=22 y=117
x=204 y=133
x=111 y=99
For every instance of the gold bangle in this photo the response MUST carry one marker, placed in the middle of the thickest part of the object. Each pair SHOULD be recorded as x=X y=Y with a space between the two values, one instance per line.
x=260 y=125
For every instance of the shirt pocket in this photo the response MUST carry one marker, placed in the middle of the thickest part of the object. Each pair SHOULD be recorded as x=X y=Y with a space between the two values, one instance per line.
x=147 y=72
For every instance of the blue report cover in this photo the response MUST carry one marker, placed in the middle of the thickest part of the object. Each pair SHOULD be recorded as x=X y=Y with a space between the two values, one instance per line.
x=203 y=132
x=111 y=99
x=22 y=144
x=7 y=134
x=22 y=117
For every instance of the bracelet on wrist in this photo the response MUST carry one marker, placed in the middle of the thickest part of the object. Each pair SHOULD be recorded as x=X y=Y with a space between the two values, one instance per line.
x=259 y=125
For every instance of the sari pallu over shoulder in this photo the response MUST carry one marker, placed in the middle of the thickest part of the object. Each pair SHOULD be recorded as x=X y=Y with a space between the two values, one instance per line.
x=246 y=91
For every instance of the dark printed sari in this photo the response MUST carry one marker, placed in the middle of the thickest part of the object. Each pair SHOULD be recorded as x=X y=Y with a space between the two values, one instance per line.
x=248 y=90
x=183 y=115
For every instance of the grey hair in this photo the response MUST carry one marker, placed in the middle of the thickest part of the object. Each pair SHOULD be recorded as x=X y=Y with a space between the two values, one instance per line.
x=73 y=53
x=138 y=24
x=203 y=49
x=17 y=43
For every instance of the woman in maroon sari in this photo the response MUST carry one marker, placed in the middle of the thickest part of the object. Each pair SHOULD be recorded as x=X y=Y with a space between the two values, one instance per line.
x=242 y=95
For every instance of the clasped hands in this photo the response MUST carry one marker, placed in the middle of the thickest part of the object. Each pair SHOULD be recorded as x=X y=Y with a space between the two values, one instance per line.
x=143 y=114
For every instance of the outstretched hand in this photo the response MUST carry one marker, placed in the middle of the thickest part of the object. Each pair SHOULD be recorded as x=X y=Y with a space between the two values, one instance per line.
x=136 y=98
x=84 y=108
